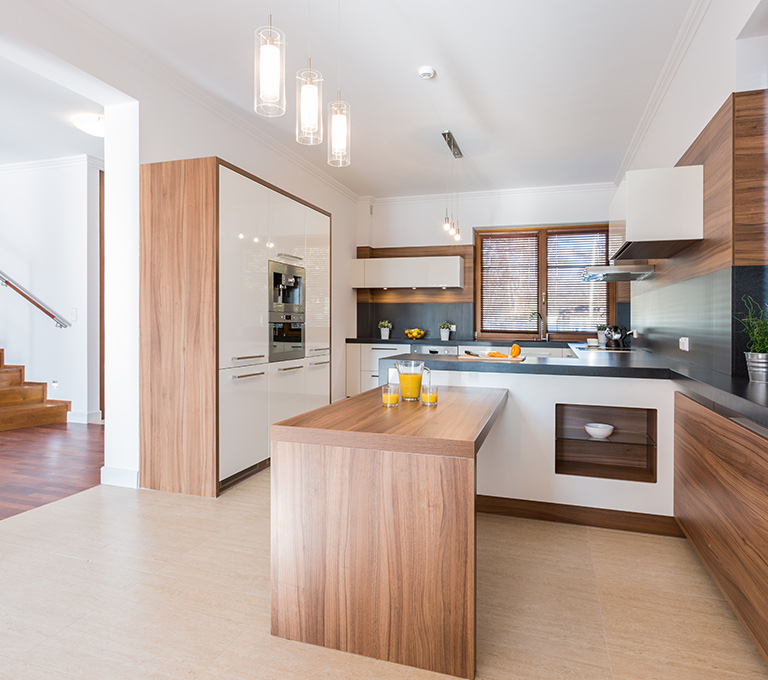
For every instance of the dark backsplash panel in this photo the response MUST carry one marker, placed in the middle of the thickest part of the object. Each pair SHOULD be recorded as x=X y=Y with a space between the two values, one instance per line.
x=701 y=309
x=751 y=281
x=415 y=315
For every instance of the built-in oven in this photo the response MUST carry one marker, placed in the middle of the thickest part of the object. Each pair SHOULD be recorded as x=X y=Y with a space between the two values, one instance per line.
x=286 y=288
x=286 y=311
x=286 y=336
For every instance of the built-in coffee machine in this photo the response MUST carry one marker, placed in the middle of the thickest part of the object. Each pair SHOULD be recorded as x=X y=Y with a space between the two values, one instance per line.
x=286 y=311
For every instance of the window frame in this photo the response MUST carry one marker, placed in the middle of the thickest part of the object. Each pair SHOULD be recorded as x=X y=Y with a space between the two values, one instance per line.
x=542 y=232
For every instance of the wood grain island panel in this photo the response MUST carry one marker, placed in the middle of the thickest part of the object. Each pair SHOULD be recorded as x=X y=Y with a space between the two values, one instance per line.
x=373 y=527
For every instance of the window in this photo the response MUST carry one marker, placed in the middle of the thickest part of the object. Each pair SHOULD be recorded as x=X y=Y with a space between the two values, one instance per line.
x=524 y=274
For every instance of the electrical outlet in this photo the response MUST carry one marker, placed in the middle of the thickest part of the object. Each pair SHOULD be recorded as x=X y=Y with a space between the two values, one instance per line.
x=55 y=384
x=685 y=344
x=453 y=328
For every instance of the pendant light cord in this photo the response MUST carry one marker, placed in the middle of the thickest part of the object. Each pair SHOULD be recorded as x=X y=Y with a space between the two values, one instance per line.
x=338 y=73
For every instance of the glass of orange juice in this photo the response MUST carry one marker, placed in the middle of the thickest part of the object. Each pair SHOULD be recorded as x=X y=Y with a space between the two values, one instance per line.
x=428 y=393
x=410 y=374
x=390 y=394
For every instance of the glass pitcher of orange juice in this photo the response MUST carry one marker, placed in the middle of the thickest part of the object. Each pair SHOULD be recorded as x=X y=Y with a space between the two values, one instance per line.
x=410 y=374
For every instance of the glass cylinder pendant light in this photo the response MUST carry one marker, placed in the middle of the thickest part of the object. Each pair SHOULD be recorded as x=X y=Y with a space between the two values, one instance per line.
x=309 y=112
x=339 y=147
x=309 y=97
x=269 y=71
x=340 y=117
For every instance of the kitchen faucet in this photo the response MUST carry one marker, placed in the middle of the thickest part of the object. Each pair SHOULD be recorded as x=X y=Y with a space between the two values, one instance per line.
x=543 y=337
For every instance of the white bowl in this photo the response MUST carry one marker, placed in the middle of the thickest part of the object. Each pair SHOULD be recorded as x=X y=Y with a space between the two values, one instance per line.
x=599 y=430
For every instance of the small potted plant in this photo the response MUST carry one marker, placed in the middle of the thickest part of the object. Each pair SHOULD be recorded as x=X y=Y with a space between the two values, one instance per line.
x=445 y=330
x=385 y=326
x=755 y=324
x=601 y=334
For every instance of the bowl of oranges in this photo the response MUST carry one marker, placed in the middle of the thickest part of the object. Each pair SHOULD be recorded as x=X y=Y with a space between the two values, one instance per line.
x=414 y=333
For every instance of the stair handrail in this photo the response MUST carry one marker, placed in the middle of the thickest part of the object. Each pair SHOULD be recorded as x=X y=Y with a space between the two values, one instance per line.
x=7 y=281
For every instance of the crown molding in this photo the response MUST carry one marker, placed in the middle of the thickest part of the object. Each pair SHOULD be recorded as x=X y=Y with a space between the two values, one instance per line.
x=81 y=160
x=685 y=36
x=155 y=67
x=504 y=193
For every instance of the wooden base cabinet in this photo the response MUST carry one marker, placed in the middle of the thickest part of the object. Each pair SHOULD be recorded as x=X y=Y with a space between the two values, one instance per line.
x=721 y=504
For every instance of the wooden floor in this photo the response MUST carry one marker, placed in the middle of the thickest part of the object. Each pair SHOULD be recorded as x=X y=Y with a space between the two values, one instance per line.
x=39 y=465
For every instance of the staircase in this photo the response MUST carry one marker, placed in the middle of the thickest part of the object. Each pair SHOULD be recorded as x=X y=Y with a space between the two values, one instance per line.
x=25 y=404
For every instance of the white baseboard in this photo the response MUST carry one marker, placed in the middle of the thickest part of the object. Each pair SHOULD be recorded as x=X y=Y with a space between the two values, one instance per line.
x=120 y=477
x=81 y=417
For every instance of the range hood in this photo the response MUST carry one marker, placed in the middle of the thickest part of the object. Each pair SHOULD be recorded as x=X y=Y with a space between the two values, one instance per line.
x=618 y=272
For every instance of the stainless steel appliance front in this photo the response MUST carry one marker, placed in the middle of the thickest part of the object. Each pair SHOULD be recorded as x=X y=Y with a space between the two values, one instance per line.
x=286 y=288
x=286 y=336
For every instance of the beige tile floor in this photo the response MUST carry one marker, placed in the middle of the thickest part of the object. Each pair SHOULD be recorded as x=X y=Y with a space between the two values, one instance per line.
x=116 y=584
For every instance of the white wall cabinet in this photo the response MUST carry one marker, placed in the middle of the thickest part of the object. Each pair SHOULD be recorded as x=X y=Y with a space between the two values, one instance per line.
x=287 y=229
x=363 y=364
x=656 y=213
x=409 y=272
x=243 y=272
x=318 y=283
x=243 y=419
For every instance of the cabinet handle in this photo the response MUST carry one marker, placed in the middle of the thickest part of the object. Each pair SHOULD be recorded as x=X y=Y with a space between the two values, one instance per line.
x=374 y=376
x=254 y=356
x=381 y=349
x=294 y=257
x=320 y=363
x=321 y=349
x=246 y=375
x=290 y=368
x=297 y=346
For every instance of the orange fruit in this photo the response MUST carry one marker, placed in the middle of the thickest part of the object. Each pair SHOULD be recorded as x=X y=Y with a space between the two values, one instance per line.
x=515 y=351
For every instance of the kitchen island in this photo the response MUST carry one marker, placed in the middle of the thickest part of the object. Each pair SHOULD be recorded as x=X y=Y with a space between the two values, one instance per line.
x=373 y=527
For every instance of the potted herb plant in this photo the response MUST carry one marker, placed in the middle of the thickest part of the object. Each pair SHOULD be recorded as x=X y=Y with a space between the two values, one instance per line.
x=601 y=334
x=755 y=324
x=445 y=330
x=385 y=326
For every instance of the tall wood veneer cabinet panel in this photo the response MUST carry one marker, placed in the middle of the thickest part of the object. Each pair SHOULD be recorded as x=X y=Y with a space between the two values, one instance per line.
x=721 y=476
x=178 y=339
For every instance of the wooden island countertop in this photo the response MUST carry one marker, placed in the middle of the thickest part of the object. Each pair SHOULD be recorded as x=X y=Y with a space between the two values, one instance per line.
x=457 y=426
x=373 y=527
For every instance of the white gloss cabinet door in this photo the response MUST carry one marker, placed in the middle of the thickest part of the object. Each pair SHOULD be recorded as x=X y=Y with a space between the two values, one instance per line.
x=243 y=273
x=287 y=387
x=318 y=283
x=287 y=224
x=243 y=419
x=318 y=383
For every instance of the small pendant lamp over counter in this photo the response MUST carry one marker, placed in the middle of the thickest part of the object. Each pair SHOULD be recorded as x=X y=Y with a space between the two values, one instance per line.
x=269 y=71
x=309 y=97
x=340 y=115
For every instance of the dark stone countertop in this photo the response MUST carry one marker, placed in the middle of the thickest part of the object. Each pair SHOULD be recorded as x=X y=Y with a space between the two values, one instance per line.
x=728 y=395
x=468 y=341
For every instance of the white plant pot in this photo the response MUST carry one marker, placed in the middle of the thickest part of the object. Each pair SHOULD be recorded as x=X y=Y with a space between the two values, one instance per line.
x=445 y=333
x=384 y=333
x=601 y=338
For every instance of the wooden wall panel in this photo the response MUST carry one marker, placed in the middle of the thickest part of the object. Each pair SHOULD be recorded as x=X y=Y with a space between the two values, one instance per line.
x=750 y=166
x=721 y=477
x=713 y=149
x=373 y=552
x=466 y=294
x=178 y=311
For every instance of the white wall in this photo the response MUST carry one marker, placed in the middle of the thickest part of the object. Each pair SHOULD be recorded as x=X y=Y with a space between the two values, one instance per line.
x=418 y=220
x=48 y=224
x=751 y=64
x=176 y=121
x=706 y=76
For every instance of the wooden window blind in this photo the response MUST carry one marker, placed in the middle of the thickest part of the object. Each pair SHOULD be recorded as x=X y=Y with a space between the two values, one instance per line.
x=574 y=306
x=510 y=274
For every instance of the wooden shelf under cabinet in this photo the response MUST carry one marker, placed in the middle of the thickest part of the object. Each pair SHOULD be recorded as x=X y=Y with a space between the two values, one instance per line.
x=628 y=454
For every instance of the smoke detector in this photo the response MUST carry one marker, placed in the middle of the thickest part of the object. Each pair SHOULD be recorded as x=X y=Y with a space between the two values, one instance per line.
x=426 y=72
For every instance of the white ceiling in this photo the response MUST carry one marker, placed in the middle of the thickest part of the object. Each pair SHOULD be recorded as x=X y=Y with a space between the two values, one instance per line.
x=35 y=119
x=537 y=92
